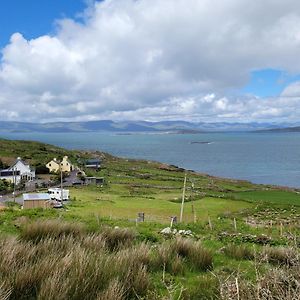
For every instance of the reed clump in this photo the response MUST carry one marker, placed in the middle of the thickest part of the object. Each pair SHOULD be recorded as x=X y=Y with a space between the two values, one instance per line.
x=57 y=260
x=239 y=252
x=56 y=228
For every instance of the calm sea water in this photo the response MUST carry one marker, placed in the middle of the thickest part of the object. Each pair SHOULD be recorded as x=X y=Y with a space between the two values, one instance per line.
x=270 y=158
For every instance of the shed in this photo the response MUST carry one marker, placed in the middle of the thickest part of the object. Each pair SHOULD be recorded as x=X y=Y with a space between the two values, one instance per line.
x=94 y=180
x=93 y=163
x=36 y=200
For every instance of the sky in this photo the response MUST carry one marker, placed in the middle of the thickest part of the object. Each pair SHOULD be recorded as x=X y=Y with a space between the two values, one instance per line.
x=196 y=60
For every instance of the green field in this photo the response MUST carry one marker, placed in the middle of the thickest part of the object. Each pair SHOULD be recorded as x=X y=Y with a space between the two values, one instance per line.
x=158 y=207
x=241 y=233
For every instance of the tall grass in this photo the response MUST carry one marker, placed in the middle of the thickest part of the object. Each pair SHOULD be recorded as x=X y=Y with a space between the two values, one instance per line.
x=57 y=260
x=200 y=258
x=280 y=255
x=50 y=228
x=239 y=252
x=275 y=283
x=171 y=255
x=117 y=238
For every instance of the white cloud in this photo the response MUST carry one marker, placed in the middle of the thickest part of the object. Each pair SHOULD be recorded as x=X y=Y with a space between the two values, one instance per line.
x=154 y=59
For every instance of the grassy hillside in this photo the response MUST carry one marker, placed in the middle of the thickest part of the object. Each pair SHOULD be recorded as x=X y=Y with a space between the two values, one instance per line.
x=243 y=241
x=34 y=152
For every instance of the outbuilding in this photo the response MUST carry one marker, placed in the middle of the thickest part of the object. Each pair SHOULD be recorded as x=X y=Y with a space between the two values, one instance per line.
x=36 y=200
x=94 y=180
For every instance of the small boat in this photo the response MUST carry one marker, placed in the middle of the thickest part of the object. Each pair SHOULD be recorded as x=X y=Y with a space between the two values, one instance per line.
x=201 y=142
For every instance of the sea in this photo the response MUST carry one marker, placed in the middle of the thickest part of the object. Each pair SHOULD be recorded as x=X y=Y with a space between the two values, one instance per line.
x=265 y=158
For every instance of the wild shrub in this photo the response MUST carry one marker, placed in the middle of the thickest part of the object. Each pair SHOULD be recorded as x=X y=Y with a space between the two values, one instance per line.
x=183 y=247
x=206 y=288
x=72 y=267
x=5 y=291
x=280 y=255
x=280 y=283
x=176 y=266
x=41 y=229
x=117 y=238
x=163 y=255
x=238 y=252
x=276 y=284
x=114 y=291
x=200 y=258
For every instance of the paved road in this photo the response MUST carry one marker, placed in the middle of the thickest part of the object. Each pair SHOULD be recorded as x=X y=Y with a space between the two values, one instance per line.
x=9 y=197
x=68 y=181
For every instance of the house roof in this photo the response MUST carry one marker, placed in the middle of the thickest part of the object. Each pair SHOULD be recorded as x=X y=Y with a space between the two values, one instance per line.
x=56 y=189
x=36 y=196
x=23 y=162
x=93 y=161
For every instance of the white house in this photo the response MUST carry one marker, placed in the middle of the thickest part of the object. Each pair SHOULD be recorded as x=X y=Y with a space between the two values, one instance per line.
x=18 y=171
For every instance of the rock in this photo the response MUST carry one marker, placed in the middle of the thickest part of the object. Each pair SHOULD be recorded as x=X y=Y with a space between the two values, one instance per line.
x=166 y=230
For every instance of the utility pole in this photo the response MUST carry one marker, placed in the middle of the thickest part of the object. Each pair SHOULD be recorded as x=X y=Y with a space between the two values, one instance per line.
x=14 y=177
x=61 y=186
x=193 y=207
x=183 y=198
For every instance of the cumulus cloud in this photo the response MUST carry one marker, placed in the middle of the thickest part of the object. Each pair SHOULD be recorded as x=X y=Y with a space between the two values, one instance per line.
x=158 y=59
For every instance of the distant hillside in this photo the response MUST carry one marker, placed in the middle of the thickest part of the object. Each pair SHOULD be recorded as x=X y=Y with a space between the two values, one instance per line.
x=135 y=126
x=286 y=129
x=35 y=153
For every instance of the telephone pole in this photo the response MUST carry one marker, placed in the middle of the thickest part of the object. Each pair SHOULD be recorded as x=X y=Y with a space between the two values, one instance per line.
x=15 y=180
x=183 y=198
x=61 y=186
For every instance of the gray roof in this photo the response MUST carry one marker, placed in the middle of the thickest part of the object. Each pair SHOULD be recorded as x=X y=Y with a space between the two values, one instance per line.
x=93 y=161
x=36 y=196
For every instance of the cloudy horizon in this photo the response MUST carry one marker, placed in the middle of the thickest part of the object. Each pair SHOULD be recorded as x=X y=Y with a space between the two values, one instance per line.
x=208 y=61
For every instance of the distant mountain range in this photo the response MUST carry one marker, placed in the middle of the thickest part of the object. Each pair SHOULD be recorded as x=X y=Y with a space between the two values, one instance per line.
x=138 y=126
x=285 y=129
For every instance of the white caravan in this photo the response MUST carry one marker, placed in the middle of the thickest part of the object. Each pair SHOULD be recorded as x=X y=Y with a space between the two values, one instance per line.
x=55 y=194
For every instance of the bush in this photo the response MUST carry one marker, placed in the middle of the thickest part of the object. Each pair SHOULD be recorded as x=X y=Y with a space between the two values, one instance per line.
x=280 y=255
x=118 y=237
x=72 y=267
x=171 y=255
x=200 y=258
x=39 y=230
x=205 y=288
x=239 y=252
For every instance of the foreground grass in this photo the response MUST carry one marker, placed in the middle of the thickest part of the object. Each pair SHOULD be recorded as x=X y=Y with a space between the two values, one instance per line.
x=53 y=259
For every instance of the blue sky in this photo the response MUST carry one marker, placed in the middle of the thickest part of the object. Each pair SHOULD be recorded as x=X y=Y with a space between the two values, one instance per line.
x=150 y=60
x=33 y=18
x=268 y=82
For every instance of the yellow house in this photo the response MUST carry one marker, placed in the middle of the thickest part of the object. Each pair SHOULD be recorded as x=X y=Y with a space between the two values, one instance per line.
x=55 y=166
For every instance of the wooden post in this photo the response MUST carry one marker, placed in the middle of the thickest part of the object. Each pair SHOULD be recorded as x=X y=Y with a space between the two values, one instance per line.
x=237 y=289
x=194 y=213
x=209 y=223
x=281 y=229
x=183 y=198
x=234 y=224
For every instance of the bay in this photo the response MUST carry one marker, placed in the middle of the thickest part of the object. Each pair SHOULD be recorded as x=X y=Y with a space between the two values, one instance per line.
x=267 y=158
